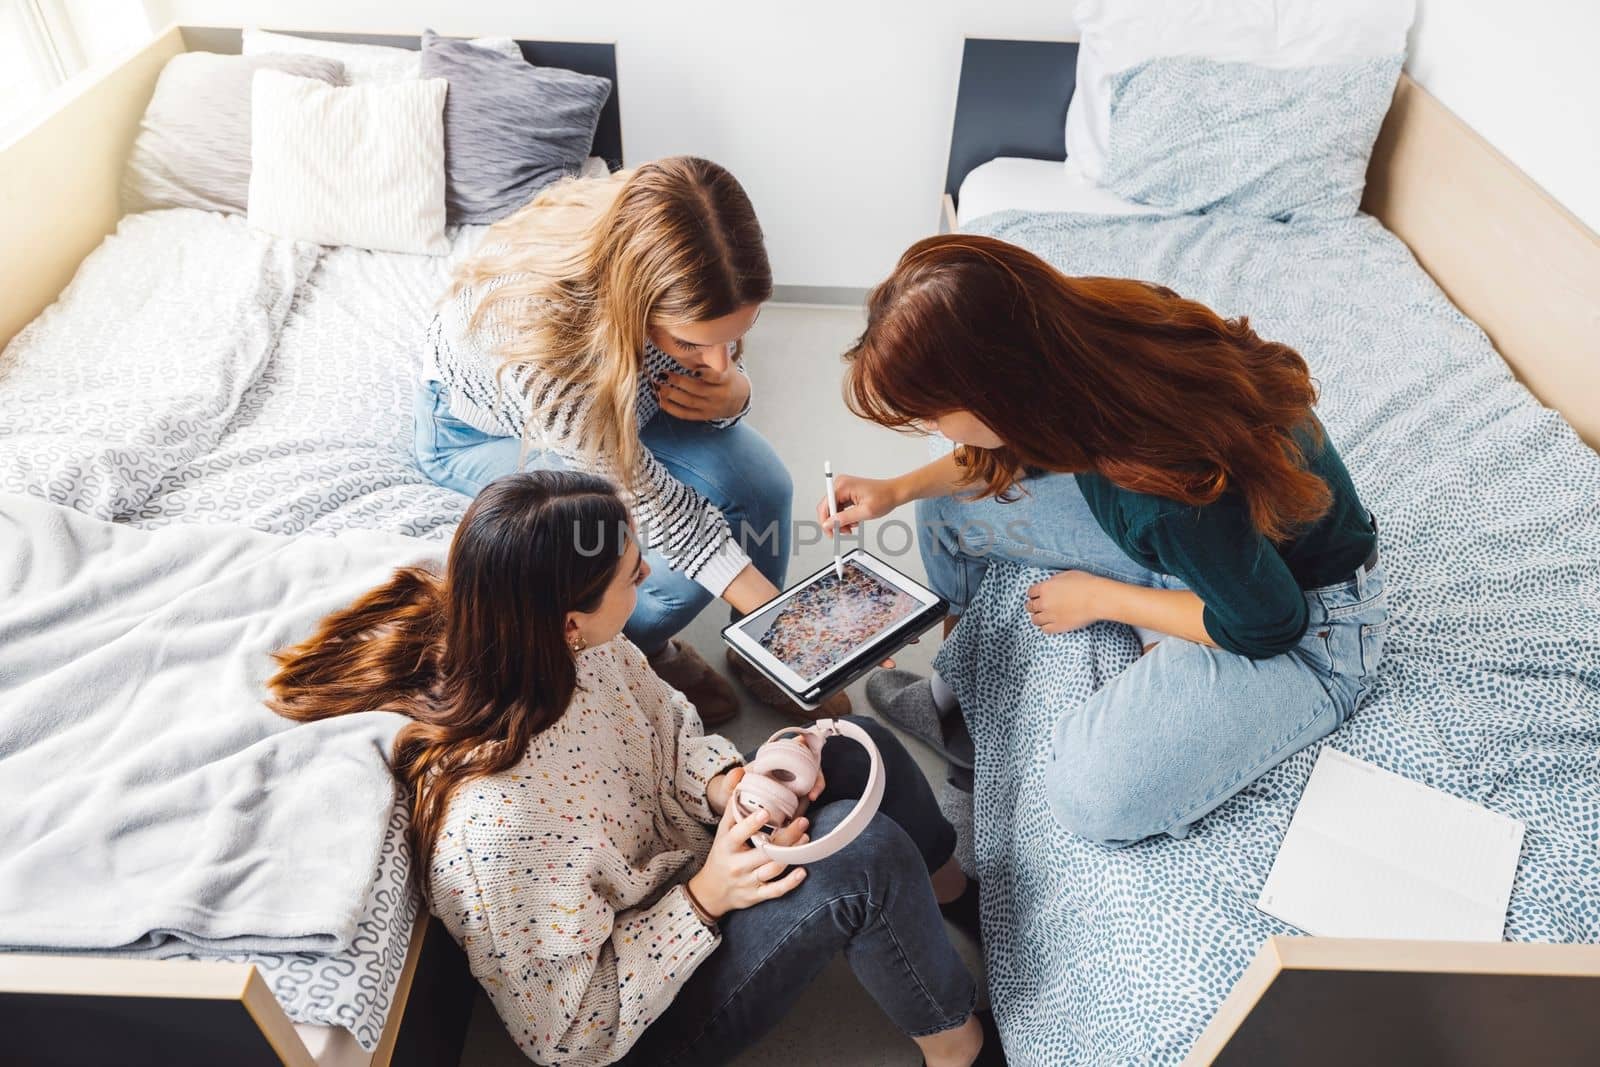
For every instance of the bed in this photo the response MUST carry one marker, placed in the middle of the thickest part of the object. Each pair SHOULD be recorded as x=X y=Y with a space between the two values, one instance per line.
x=288 y=412
x=1490 y=511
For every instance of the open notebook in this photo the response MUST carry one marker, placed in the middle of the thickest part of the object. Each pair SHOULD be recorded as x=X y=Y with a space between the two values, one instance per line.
x=1371 y=854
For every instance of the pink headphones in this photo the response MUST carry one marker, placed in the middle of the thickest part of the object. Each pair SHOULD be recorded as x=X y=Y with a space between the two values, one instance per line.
x=783 y=772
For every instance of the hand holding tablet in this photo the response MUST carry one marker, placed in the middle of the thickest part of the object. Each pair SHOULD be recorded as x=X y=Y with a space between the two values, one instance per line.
x=819 y=636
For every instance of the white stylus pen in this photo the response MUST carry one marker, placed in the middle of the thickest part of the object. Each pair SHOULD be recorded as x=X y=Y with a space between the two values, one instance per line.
x=833 y=513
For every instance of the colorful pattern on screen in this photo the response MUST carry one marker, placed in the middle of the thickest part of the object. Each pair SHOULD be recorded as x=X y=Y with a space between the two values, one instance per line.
x=831 y=618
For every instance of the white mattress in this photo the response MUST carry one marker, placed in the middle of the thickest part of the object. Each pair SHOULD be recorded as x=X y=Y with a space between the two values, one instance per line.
x=1039 y=185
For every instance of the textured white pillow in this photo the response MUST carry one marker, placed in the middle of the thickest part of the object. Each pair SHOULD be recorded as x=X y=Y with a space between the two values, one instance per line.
x=362 y=165
x=363 y=63
x=1119 y=34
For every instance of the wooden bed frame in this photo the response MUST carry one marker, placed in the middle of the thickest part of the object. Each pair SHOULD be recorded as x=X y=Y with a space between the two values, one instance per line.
x=1333 y=1002
x=59 y=198
x=1512 y=259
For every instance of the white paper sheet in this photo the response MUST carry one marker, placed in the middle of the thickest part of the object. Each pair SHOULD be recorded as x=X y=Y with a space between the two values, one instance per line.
x=1371 y=854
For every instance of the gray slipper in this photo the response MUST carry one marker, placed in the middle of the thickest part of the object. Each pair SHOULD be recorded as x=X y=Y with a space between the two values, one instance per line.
x=956 y=805
x=906 y=700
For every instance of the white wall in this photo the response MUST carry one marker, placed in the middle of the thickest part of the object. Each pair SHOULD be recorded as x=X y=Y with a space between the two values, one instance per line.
x=836 y=113
x=97 y=29
x=1523 y=75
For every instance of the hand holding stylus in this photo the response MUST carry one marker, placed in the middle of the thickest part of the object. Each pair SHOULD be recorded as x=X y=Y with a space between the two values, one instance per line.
x=862 y=499
x=859 y=499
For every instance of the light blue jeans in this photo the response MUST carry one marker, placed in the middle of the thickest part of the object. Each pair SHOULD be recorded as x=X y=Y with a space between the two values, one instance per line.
x=1186 y=726
x=734 y=468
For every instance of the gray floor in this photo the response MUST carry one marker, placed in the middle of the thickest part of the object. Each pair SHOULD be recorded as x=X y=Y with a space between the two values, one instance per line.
x=793 y=359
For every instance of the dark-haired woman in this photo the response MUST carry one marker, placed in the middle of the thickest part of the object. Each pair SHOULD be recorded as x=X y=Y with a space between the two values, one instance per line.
x=1167 y=465
x=570 y=821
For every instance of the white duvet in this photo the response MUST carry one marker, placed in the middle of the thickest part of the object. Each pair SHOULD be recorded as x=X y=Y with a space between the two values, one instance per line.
x=143 y=363
x=195 y=372
x=198 y=371
x=323 y=441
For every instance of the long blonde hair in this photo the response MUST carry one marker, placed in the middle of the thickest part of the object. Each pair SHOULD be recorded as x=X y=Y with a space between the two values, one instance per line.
x=588 y=265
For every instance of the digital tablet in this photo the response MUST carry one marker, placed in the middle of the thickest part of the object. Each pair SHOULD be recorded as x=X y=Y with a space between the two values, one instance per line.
x=817 y=637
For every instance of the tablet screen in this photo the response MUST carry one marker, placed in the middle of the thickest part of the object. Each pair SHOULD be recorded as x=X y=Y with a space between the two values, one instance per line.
x=820 y=626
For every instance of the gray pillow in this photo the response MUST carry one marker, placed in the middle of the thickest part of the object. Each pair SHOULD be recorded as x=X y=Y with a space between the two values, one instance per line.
x=193 y=148
x=510 y=128
x=1291 y=144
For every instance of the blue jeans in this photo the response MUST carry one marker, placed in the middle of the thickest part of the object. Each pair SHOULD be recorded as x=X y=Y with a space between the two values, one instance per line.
x=734 y=468
x=1187 y=725
x=871 y=900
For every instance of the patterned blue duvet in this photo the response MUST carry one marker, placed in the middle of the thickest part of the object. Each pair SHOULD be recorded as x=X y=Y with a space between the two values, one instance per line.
x=1490 y=512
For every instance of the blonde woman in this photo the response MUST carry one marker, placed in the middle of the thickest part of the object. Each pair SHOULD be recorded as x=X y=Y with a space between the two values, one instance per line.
x=600 y=329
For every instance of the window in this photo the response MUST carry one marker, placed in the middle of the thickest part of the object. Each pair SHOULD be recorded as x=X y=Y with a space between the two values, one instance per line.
x=29 y=64
x=43 y=43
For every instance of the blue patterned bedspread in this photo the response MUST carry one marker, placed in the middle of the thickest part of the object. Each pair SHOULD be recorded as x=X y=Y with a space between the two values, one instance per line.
x=1490 y=689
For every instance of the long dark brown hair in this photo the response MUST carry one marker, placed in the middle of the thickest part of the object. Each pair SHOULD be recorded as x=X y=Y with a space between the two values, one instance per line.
x=1158 y=394
x=477 y=659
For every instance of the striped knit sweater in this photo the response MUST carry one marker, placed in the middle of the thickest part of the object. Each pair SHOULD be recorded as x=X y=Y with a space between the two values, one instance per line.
x=561 y=878
x=673 y=518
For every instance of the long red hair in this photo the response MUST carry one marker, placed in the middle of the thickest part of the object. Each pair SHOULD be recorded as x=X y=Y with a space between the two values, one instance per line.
x=1158 y=394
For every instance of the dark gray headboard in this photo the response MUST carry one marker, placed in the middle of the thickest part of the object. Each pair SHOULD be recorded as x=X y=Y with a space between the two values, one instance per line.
x=1012 y=101
x=581 y=56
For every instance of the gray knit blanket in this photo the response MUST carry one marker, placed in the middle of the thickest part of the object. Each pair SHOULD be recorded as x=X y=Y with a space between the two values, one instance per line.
x=149 y=801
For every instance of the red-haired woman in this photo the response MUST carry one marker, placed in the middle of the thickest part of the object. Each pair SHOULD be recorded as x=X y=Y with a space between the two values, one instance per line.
x=1166 y=463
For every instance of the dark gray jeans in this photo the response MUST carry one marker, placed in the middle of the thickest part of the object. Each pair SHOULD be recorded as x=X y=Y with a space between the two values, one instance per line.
x=872 y=901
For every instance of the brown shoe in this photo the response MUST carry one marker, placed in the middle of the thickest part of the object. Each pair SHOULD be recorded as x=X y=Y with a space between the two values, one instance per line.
x=765 y=691
x=681 y=667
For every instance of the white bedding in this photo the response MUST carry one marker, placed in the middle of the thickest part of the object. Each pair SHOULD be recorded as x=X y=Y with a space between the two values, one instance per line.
x=1036 y=185
x=150 y=803
x=144 y=800
x=195 y=371
x=345 y=997
x=144 y=361
x=323 y=439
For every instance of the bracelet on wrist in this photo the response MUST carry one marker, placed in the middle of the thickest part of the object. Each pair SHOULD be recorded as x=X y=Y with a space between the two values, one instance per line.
x=700 y=911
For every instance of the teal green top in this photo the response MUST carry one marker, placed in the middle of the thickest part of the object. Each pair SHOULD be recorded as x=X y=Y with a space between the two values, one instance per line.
x=1253 y=590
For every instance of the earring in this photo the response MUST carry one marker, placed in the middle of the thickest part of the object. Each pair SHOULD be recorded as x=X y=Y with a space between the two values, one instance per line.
x=578 y=644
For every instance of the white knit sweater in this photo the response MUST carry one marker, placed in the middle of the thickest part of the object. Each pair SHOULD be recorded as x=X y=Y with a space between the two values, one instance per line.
x=673 y=518
x=561 y=878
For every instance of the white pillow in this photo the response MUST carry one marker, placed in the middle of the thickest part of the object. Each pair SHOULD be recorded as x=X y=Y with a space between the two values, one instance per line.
x=361 y=165
x=1118 y=34
x=363 y=63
